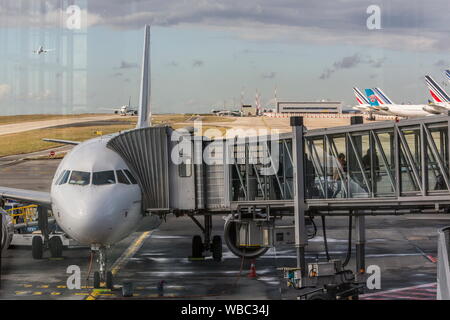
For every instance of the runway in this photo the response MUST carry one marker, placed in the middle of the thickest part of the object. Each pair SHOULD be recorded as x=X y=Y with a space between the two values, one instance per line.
x=33 y=125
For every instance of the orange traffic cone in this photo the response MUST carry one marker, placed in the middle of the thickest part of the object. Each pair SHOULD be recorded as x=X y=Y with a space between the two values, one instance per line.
x=252 y=274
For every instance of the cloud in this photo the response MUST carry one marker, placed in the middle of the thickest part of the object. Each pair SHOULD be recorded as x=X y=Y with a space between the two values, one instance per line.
x=5 y=91
x=350 y=62
x=127 y=65
x=198 y=63
x=117 y=74
x=323 y=22
x=269 y=75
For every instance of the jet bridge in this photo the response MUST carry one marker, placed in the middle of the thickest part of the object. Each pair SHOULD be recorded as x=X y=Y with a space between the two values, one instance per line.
x=381 y=168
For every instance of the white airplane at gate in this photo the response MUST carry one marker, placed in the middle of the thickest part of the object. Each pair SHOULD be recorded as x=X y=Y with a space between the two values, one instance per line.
x=94 y=197
x=401 y=110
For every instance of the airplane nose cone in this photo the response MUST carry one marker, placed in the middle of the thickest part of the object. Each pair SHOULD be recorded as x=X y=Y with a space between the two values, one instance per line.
x=97 y=219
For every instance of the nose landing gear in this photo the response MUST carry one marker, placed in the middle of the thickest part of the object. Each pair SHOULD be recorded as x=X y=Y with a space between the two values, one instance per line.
x=102 y=275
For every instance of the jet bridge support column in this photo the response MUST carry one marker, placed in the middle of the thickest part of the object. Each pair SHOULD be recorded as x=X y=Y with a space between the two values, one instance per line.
x=301 y=239
x=360 y=224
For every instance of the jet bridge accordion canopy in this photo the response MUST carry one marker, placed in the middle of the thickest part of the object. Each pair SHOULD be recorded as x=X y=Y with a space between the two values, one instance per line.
x=146 y=153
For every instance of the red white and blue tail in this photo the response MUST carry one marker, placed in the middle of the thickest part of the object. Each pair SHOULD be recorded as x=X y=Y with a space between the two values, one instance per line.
x=362 y=99
x=437 y=93
x=382 y=96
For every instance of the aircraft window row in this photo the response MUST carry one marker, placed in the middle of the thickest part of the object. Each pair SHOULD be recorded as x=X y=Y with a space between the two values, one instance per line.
x=63 y=178
x=82 y=178
x=121 y=178
x=130 y=176
x=103 y=177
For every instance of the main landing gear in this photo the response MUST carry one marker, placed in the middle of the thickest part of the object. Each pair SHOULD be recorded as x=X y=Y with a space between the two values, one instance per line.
x=40 y=243
x=102 y=275
x=214 y=246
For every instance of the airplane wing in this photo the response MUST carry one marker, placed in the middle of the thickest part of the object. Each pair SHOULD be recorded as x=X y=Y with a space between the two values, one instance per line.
x=438 y=108
x=62 y=141
x=27 y=196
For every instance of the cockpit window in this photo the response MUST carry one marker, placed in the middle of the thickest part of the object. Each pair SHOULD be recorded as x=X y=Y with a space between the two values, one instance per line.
x=80 y=178
x=130 y=176
x=63 y=177
x=121 y=178
x=103 y=177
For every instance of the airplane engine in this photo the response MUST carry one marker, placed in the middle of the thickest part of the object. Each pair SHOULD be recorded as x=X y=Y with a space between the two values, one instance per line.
x=7 y=230
x=431 y=110
x=244 y=239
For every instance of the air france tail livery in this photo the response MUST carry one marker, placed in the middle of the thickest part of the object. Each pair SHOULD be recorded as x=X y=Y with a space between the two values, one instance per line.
x=447 y=74
x=381 y=95
x=363 y=102
x=441 y=100
x=437 y=93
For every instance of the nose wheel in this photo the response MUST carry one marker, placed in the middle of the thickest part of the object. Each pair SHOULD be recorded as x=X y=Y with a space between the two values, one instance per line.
x=102 y=275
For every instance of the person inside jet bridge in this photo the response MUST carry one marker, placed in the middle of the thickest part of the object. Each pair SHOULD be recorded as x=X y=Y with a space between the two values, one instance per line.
x=342 y=167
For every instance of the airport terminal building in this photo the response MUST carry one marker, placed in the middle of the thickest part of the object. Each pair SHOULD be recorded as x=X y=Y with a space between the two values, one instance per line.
x=309 y=107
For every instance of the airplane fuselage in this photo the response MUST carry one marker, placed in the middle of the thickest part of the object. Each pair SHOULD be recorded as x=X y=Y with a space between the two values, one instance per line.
x=406 y=110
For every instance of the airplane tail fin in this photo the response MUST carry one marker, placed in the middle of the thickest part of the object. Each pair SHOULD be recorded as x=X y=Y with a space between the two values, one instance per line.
x=381 y=95
x=437 y=93
x=372 y=97
x=144 y=115
x=447 y=74
x=362 y=99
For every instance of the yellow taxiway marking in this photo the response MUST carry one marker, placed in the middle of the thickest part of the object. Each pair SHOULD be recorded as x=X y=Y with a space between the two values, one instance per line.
x=44 y=286
x=21 y=292
x=37 y=293
x=56 y=293
x=61 y=287
x=132 y=249
x=27 y=285
x=123 y=259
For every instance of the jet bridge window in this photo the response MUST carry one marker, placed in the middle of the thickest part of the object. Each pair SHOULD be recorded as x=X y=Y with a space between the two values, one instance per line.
x=63 y=177
x=103 y=177
x=80 y=178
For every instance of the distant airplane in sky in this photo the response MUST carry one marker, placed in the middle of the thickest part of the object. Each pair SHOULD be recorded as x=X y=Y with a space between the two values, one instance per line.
x=42 y=50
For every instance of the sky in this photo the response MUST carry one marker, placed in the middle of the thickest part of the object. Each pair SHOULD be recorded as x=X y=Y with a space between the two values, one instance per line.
x=206 y=54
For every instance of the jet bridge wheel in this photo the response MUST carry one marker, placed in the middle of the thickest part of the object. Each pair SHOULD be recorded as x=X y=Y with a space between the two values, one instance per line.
x=37 y=247
x=197 y=247
x=217 y=248
x=56 y=247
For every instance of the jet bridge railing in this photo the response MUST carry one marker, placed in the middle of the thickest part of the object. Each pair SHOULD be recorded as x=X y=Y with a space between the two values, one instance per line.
x=407 y=160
